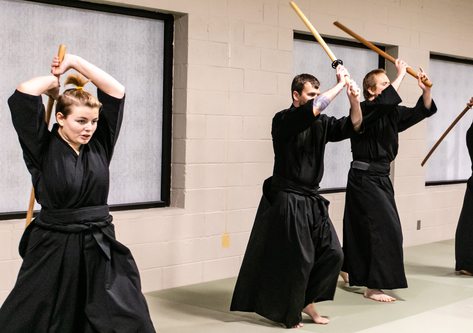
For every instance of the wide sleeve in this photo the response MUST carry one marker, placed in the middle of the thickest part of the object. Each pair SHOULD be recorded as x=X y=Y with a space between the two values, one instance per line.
x=291 y=122
x=383 y=104
x=110 y=121
x=469 y=143
x=338 y=129
x=27 y=113
x=408 y=117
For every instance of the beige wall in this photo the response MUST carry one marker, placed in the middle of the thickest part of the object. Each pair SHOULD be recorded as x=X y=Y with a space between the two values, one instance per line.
x=233 y=68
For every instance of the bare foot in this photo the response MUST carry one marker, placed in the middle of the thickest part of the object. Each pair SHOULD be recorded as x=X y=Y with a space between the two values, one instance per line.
x=464 y=272
x=311 y=312
x=298 y=325
x=378 y=295
x=344 y=276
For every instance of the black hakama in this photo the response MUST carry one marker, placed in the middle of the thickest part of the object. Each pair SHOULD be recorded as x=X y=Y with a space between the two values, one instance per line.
x=75 y=276
x=293 y=256
x=372 y=235
x=464 y=232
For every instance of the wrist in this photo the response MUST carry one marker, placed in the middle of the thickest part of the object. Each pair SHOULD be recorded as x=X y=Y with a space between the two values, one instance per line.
x=52 y=82
x=74 y=61
x=354 y=100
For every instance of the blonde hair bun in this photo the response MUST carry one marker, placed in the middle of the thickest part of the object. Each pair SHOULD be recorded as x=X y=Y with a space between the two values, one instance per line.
x=77 y=79
x=76 y=96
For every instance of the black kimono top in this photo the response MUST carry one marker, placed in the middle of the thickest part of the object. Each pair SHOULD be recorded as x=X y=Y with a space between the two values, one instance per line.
x=299 y=140
x=469 y=143
x=383 y=119
x=61 y=178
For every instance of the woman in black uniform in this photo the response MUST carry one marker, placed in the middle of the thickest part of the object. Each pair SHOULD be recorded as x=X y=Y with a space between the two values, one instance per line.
x=75 y=276
x=464 y=233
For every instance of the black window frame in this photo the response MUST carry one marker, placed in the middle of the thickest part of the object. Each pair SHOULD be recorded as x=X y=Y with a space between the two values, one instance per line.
x=168 y=52
x=460 y=61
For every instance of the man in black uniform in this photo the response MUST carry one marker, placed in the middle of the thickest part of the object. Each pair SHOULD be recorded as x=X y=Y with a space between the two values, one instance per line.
x=294 y=256
x=372 y=236
x=464 y=232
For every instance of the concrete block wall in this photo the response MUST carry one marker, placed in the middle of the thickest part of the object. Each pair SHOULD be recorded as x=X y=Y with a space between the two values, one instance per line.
x=232 y=72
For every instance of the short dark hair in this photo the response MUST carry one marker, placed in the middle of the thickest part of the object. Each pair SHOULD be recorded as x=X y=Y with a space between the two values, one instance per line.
x=370 y=82
x=300 y=80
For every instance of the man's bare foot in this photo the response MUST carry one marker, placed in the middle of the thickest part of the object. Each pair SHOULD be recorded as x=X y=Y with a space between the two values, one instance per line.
x=311 y=312
x=464 y=272
x=298 y=325
x=378 y=295
x=344 y=276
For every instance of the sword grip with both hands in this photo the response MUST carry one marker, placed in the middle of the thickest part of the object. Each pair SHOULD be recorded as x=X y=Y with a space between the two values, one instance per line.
x=353 y=88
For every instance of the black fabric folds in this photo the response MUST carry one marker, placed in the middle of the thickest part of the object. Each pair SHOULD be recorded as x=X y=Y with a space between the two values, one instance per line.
x=75 y=276
x=464 y=232
x=372 y=235
x=293 y=256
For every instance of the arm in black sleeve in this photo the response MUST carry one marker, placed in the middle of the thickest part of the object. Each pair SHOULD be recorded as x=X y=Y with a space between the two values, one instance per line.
x=110 y=121
x=27 y=113
x=339 y=129
x=386 y=102
x=408 y=117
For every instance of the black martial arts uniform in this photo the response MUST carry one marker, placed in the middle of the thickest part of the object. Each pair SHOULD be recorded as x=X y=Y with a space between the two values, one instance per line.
x=75 y=277
x=464 y=233
x=293 y=256
x=372 y=236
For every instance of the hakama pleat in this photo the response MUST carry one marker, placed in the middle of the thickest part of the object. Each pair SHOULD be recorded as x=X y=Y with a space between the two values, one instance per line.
x=293 y=258
x=464 y=232
x=372 y=235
